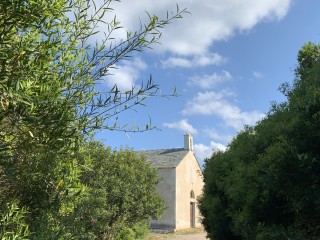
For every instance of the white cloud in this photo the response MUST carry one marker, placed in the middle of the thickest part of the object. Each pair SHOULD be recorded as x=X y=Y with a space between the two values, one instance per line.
x=177 y=62
x=196 y=61
x=257 y=75
x=215 y=135
x=210 y=81
x=126 y=74
x=216 y=103
x=209 y=22
x=205 y=151
x=182 y=125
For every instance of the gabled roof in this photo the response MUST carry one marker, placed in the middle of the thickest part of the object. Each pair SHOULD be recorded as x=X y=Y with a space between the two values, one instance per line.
x=165 y=158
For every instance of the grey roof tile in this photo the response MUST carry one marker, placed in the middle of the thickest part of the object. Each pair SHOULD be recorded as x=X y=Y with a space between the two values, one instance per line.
x=165 y=158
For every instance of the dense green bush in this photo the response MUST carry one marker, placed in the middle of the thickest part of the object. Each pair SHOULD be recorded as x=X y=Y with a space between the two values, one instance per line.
x=267 y=184
x=121 y=193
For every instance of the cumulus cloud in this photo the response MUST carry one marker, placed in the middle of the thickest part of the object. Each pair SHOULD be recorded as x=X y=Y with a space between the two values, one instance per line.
x=196 y=61
x=126 y=74
x=203 y=151
x=210 y=81
x=210 y=21
x=182 y=125
x=217 y=103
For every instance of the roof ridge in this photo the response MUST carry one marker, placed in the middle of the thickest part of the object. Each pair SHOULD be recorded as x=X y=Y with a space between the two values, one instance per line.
x=161 y=149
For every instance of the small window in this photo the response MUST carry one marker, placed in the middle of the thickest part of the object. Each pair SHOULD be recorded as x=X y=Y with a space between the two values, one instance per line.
x=192 y=194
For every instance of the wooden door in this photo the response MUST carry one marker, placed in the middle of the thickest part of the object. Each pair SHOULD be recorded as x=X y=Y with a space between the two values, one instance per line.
x=192 y=214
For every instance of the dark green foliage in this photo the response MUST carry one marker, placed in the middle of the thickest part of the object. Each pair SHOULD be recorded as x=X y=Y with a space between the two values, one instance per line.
x=267 y=184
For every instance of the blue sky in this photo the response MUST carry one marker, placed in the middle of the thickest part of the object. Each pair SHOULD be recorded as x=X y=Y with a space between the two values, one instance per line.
x=226 y=60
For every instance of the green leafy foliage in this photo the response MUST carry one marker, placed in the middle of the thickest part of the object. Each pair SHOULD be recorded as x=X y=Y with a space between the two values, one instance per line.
x=121 y=193
x=138 y=232
x=266 y=185
x=13 y=223
x=50 y=67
